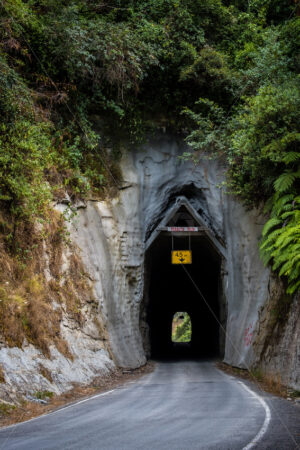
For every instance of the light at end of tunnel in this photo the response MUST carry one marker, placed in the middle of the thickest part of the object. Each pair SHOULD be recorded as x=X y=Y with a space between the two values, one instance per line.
x=181 y=327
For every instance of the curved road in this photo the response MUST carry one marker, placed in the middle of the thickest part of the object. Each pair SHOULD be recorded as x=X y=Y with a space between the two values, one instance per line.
x=181 y=405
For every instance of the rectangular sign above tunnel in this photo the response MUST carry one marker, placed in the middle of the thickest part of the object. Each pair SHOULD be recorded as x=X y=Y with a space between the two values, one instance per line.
x=181 y=257
x=183 y=228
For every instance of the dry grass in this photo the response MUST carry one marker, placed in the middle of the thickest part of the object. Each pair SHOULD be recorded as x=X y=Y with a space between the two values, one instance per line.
x=26 y=296
x=46 y=373
x=2 y=377
x=268 y=382
x=74 y=290
x=112 y=380
x=6 y=409
x=27 y=312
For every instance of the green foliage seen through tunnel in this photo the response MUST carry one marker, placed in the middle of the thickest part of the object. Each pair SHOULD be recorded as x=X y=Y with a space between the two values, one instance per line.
x=181 y=327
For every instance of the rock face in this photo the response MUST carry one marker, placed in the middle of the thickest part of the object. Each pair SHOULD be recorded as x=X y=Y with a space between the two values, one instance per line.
x=277 y=343
x=77 y=353
x=27 y=371
x=112 y=236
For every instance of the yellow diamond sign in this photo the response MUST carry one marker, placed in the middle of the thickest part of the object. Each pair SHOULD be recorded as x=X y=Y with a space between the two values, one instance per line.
x=181 y=257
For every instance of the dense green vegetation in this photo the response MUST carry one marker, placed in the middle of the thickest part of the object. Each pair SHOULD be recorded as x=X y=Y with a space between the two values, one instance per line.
x=181 y=327
x=259 y=136
x=80 y=80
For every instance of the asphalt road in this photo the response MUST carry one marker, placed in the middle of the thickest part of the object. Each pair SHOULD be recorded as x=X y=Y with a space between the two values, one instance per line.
x=181 y=405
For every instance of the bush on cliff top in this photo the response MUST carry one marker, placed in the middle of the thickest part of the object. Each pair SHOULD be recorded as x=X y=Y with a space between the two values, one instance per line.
x=79 y=79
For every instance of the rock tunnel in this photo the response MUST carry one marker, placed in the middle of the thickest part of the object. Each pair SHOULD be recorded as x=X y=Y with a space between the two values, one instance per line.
x=125 y=245
x=195 y=288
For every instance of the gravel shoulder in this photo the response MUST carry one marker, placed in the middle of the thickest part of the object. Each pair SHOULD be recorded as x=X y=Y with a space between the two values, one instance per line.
x=28 y=410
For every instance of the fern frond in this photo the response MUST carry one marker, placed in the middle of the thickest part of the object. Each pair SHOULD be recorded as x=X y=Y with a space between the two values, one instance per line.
x=280 y=201
x=271 y=238
x=289 y=265
x=280 y=245
x=288 y=214
x=269 y=204
x=296 y=199
x=293 y=288
x=291 y=157
x=267 y=256
x=285 y=269
x=285 y=240
x=294 y=273
x=271 y=224
x=284 y=181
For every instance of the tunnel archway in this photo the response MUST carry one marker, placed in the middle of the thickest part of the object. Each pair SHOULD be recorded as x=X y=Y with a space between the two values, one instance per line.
x=171 y=288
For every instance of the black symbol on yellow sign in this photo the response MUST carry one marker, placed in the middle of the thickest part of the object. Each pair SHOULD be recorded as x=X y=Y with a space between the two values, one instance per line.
x=181 y=257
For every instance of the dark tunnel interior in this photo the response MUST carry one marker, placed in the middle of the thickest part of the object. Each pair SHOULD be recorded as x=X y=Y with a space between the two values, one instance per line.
x=170 y=290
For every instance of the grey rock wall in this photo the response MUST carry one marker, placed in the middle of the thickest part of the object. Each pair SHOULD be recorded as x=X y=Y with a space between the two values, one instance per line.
x=277 y=339
x=112 y=235
x=27 y=370
x=83 y=340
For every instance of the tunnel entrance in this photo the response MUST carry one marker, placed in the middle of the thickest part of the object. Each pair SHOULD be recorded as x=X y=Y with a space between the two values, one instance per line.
x=170 y=289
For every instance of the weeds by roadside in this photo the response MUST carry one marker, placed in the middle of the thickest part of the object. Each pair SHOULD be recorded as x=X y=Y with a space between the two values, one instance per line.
x=10 y=414
x=43 y=395
x=6 y=408
x=267 y=382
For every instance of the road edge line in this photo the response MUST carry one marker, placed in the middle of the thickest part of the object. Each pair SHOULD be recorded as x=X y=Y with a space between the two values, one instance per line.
x=267 y=420
x=102 y=394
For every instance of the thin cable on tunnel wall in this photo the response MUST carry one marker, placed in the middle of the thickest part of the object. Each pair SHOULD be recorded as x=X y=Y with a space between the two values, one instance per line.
x=238 y=352
x=169 y=292
x=106 y=165
x=189 y=241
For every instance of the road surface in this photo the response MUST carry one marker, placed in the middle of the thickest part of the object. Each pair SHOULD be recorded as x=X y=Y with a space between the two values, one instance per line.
x=181 y=405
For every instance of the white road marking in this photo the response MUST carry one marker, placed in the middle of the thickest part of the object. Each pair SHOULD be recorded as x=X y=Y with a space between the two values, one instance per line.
x=267 y=420
x=58 y=410
x=249 y=446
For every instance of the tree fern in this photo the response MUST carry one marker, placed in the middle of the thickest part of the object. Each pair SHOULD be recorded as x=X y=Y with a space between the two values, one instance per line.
x=281 y=239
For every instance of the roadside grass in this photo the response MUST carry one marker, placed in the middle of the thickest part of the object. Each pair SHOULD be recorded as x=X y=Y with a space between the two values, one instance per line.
x=43 y=395
x=268 y=382
x=6 y=409
x=26 y=410
x=294 y=393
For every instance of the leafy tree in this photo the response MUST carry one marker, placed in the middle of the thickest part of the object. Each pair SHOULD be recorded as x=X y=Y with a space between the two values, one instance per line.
x=80 y=79
x=259 y=138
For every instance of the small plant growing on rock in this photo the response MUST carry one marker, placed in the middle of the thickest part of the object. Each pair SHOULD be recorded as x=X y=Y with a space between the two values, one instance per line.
x=6 y=408
x=43 y=395
x=2 y=377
